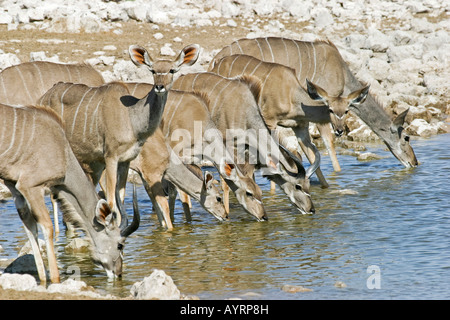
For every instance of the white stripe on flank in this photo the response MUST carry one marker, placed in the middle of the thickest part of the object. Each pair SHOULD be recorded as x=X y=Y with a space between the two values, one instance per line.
x=86 y=115
x=18 y=147
x=245 y=68
x=287 y=52
x=299 y=60
x=256 y=68
x=2 y=136
x=174 y=111
x=270 y=48
x=242 y=51
x=78 y=108
x=62 y=103
x=24 y=84
x=260 y=50
x=231 y=66
x=315 y=61
x=4 y=89
x=13 y=129
x=40 y=77
x=224 y=87
x=69 y=73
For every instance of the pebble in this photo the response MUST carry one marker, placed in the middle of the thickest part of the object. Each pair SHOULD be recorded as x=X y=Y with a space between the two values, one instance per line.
x=294 y=288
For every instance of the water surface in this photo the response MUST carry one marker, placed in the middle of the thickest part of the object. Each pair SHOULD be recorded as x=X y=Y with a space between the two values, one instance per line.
x=390 y=219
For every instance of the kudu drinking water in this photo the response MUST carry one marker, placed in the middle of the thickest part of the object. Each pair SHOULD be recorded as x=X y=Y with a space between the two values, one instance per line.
x=236 y=114
x=190 y=132
x=35 y=155
x=154 y=164
x=106 y=134
x=24 y=83
x=322 y=64
x=283 y=100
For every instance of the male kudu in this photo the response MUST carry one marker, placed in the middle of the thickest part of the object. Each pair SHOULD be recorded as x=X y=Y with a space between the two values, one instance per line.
x=322 y=64
x=106 y=134
x=236 y=114
x=35 y=155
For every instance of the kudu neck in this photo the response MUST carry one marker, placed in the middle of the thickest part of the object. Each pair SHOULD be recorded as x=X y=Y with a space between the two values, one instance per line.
x=146 y=114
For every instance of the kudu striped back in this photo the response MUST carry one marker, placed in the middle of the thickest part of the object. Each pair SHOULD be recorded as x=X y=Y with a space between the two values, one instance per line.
x=23 y=84
x=193 y=135
x=106 y=126
x=236 y=114
x=322 y=64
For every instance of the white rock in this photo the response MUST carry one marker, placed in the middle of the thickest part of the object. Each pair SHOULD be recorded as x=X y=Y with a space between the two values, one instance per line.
x=376 y=40
x=167 y=51
x=70 y=286
x=159 y=17
x=437 y=83
x=322 y=17
x=421 y=128
x=379 y=68
x=298 y=9
x=158 y=36
x=157 y=286
x=231 y=23
x=20 y=282
x=8 y=60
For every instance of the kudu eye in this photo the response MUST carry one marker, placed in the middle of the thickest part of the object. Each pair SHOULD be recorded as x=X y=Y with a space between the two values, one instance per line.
x=249 y=194
x=407 y=138
x=172 y=71
x=219 y=199
x=120 y=246
x=298 y=187
x=331 y=111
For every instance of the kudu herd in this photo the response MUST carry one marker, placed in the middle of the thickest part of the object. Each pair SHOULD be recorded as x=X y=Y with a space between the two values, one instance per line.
x=62 y=128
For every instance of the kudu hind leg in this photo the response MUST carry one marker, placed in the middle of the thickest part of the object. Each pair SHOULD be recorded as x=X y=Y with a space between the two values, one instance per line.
x=32 y=210
x=35 y=198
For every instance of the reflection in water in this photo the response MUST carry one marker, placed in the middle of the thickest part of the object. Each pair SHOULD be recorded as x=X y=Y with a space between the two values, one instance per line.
x=374 y=213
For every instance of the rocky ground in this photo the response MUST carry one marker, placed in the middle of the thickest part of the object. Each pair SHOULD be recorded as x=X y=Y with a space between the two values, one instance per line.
x=401 y=48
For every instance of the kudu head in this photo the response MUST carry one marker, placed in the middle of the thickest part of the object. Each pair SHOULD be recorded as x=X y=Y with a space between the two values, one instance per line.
x=294 y=184
x=164 y=70
x=398 y=142
x=247 y=192
x=211 y=199
x=338 y=106
x=109 y=238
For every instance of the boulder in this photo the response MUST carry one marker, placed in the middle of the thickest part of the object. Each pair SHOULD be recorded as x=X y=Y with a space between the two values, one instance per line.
x=157 y=286
x=20 y=282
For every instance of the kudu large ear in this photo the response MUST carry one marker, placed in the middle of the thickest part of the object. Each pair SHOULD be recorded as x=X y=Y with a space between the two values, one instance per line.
x=358 y=96
x=188 y=56
x=228 y=171
x=315 y=92
x=398 y=122
x=208 y=180
x=103 y=213
x=140 y=56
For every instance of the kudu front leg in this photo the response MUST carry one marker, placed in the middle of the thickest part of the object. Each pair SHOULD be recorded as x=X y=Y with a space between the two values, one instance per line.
x=328 y=139
x=304 y=140
x=111 y=172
